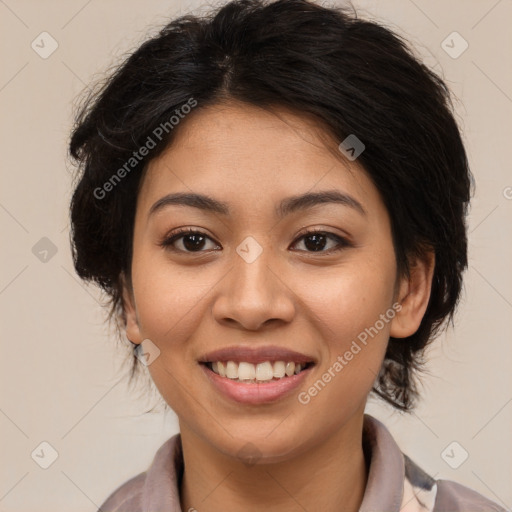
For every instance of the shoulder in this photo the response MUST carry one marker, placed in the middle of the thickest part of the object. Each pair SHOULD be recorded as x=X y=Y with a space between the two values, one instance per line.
x=445 y=495
x=127 y=497
x=454 y=497
x=157 y=488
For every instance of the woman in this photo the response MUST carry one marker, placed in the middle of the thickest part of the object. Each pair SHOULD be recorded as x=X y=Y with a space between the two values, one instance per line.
x=274 y=198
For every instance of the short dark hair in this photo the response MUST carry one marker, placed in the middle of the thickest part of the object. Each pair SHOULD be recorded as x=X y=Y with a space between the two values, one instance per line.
x=354 y=76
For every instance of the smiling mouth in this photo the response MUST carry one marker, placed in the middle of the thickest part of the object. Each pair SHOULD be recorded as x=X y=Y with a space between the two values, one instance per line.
x=256 y=373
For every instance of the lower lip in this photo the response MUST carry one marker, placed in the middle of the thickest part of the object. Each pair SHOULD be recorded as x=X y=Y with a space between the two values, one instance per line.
x=256 y=393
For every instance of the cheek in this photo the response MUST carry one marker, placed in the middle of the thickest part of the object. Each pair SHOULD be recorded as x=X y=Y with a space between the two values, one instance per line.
x=170 y=304
x=348 y=300
x=352 y=321
x=169 y=299
x=352 y=312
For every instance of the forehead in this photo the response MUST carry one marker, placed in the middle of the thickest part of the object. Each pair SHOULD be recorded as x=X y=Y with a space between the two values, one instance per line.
x=248 y=155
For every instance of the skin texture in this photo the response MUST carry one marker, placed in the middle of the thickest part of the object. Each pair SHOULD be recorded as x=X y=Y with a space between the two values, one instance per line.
x=314 y=302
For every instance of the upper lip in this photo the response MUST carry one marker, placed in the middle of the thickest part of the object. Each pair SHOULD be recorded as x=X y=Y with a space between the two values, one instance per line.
x=255 y=355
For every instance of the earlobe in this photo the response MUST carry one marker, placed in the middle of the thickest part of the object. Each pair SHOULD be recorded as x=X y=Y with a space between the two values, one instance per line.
x=132 y=324
x=413 y=296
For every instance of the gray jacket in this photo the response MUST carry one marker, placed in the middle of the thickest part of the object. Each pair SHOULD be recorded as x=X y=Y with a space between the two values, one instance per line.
x=395 y=482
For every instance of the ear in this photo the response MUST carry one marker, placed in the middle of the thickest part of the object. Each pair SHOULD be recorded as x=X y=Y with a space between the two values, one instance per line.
x=413 y=296
x=130 y=312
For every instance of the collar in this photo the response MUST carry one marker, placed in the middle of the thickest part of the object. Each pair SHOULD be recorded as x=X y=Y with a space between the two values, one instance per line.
x=385 y=485
x=384 y=488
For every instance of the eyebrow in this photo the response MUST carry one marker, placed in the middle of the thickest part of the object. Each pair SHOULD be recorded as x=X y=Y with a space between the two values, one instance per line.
x=286 y=206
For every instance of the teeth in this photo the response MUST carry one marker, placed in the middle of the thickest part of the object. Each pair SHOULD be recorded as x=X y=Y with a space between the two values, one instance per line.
x=246 y=371
x=279 y=369
x=290 y=369
x=243 y=371
x=221 y=369
x=264 y=371
x=231 y=370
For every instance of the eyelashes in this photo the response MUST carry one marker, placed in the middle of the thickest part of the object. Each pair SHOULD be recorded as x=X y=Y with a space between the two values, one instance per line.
x=169 y=241
x=198 y=238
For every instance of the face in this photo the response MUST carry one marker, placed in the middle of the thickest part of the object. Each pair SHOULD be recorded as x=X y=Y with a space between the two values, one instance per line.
x=259 y=272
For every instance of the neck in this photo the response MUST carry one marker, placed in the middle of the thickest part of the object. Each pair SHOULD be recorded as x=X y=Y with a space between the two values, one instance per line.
x=328 y=476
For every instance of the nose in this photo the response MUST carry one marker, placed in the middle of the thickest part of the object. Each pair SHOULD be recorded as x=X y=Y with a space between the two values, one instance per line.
x=254 y=294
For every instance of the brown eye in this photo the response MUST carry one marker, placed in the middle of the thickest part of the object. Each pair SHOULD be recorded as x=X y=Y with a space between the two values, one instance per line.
x=191 y=241
x=195 y=241
x=316 y=241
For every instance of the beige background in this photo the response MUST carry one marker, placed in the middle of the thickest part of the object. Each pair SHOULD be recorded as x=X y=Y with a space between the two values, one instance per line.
x=61 y=375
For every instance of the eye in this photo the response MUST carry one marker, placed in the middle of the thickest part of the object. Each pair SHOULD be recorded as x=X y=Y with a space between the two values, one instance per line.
x=315 y=241
x=191 y=240
x=194 y=241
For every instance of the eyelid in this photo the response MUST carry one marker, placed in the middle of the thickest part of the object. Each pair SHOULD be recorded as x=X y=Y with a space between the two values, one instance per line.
x=168 y=240
x=342 y=241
